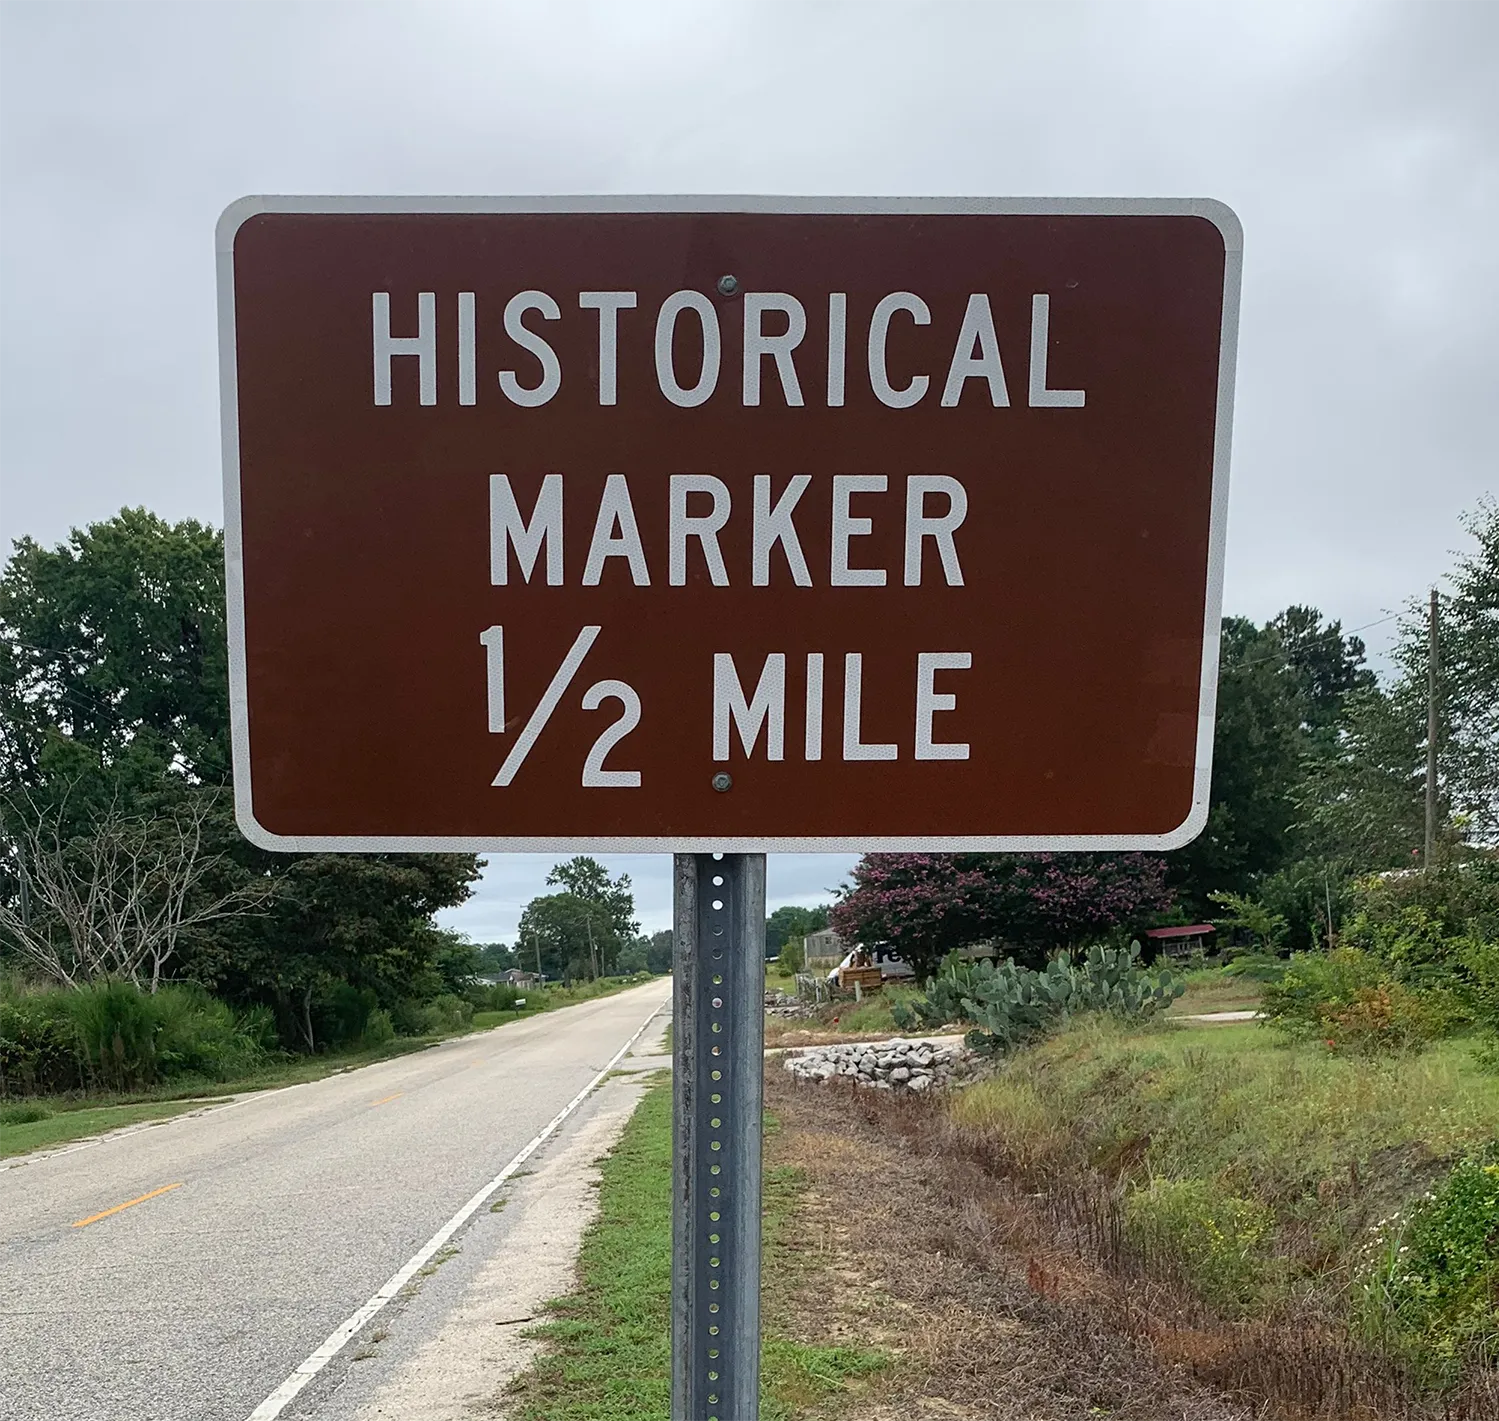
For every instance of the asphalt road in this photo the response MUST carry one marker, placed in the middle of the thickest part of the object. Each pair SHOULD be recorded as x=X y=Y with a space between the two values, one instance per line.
x=280 y=1215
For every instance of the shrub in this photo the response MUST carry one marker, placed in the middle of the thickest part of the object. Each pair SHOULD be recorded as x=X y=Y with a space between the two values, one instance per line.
x=116 y=1025
x=1430 y=1288
x=1317 y=980
x=344 y=1012
x=409 y=1017
x=1357 y=1001
x=1217 y=1241
x=1383 y=1018
x=38 y=1046
x=1416 y=947
x=197 y=1034
x=441 y=1014
x=258 y=1024
x=23 y=1114
x=1480 y=987
x=1256 y=967
x=499 y=997
x=378 y=1029
x=1462 y=900
x=113 y=1036
x=449 y=1013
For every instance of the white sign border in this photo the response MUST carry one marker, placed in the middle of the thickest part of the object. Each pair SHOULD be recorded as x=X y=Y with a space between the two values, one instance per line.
x=237 y=213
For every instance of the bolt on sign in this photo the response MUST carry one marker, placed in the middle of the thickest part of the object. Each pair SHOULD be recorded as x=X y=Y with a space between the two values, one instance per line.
x=744 y=524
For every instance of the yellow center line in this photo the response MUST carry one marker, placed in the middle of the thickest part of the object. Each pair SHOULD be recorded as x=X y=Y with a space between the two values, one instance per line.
x=387 y=1099
x=128 y=1204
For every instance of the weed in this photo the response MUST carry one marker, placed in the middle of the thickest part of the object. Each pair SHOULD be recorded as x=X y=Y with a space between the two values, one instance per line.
x=1217 y=1241
x=1247 y=1169
x=1430 y=1288
x=437 y=1260
x=797 y=1375
x=27 y=1114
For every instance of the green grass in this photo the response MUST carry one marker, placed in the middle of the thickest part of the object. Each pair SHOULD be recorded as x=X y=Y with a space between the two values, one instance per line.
x=1240 y=1103
x=777 y=979
x=1209 y=990
x=1261 y=1167
x=609 y=1357
x=31 y=1125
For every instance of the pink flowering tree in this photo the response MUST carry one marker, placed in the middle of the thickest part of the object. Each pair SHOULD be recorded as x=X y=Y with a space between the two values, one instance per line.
x=927 y=905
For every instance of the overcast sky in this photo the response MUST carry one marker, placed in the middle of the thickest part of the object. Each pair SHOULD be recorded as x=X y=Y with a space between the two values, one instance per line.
x=1358 y=142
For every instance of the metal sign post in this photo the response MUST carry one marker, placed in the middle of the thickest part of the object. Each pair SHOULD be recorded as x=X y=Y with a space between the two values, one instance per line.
x=718 y=1060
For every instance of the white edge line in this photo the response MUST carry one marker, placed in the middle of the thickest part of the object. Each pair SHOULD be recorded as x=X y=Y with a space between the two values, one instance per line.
x=277 y=1401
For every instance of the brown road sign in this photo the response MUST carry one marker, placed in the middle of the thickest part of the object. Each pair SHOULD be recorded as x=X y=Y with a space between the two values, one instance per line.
x=740 y=524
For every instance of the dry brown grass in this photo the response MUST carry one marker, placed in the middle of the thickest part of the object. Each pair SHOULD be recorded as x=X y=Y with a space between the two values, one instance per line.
x=899 y=1249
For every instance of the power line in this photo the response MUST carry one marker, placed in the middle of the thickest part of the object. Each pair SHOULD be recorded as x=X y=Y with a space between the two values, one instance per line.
x=1352 y=631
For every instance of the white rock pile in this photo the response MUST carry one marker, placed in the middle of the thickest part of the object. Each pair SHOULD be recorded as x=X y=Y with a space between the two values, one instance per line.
x=898 y=1064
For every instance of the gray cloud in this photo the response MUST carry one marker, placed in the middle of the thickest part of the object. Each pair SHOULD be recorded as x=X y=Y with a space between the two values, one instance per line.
x=1355 y=140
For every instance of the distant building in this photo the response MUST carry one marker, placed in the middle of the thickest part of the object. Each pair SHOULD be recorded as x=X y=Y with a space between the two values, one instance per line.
x=513 y=977
x=824 y=948
x=1180 y=942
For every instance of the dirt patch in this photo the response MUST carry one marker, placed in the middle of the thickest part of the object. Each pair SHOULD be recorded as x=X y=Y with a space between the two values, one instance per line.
x=902 y=1250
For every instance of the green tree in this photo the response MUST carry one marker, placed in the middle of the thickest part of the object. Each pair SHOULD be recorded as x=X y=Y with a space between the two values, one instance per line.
x=792 y=921
x=574 y=935
x=635 y=956
x=456 y=959
x=496 y=957
x=1361 y=801
x=113 y=691
x=117 y=637
x=1282 y=692
x=360 y=919
x=1468 y=679
x=588 y=879
x=1266 y=928
x=661 y=953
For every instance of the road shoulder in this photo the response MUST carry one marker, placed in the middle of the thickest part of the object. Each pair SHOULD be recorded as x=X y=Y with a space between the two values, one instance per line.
x=459 y=1337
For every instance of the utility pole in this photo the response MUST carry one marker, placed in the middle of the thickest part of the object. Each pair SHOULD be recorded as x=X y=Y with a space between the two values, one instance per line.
x=1432 y=669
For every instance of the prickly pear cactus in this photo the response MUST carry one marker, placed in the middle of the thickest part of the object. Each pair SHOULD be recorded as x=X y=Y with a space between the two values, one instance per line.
x=1012 y=1003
